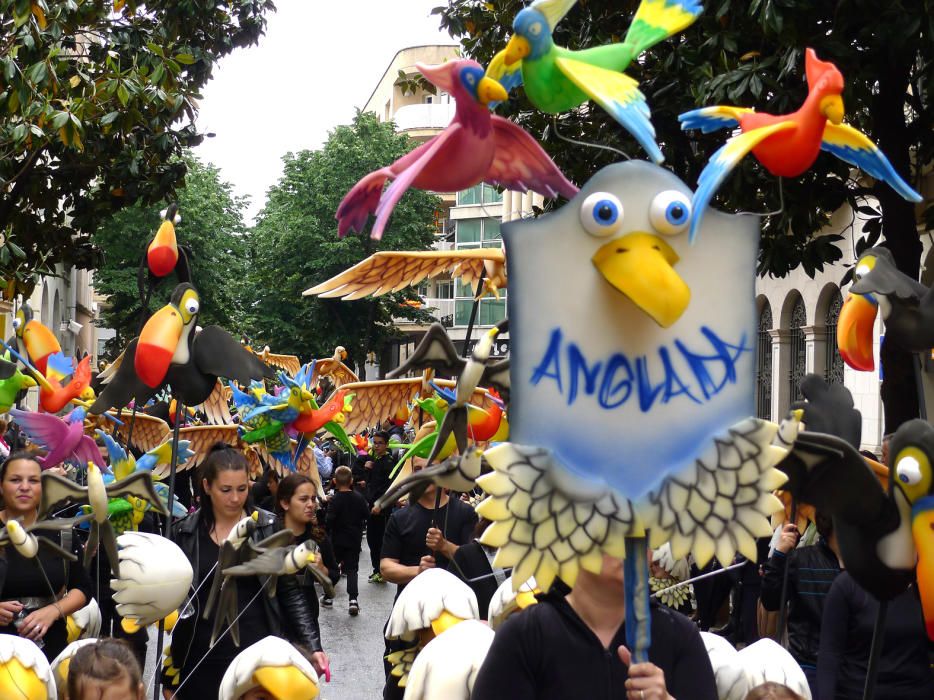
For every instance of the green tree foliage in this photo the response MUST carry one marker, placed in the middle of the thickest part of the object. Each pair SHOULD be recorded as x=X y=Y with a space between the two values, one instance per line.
x=211 y=227
x=295 y=246
x=750 y=53
x=97 y=103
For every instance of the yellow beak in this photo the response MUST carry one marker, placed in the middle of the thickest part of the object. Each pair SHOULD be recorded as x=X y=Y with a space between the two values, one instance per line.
x=17 y=681
x=922 y=530
x=641 y=266
x=517 y=49
x=286 y=683
x=832 y=108
x=490 y=90
x=854 y=331
x=444 y=622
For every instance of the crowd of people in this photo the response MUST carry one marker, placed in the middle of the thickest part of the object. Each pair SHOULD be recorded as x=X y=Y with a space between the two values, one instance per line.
x=572 y=643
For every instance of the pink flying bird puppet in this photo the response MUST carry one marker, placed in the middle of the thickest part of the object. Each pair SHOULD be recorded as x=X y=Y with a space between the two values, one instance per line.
x=475 y=147
x=63 y=439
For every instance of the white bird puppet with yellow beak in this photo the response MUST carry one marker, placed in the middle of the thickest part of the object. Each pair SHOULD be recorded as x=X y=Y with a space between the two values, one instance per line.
x=58 y=492
x=432 y=602
x=271 y=665
x=25 y=673
x=632 y=379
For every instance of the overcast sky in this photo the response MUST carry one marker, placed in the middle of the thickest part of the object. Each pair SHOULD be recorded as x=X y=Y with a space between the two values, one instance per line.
x=317 y=62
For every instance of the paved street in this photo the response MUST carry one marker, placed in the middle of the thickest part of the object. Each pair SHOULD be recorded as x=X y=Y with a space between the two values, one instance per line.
x=355 y=644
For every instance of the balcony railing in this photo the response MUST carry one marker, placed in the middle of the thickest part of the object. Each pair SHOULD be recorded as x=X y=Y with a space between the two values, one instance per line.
x=424 y=116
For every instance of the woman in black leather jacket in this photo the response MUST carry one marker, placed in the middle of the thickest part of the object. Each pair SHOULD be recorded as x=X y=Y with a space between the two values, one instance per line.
x=194 y=668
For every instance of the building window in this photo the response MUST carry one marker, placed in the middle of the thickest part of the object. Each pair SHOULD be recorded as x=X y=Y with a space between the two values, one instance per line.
x=764 y=365
x=479 y=194
x=445 y=290
x=468 y=233
x=833 y=363
x=474 y=233
x=798 y=350
x=490 y=312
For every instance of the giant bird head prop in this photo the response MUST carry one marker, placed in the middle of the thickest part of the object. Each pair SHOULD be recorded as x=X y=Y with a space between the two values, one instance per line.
x=633 y=377
x=906 y=307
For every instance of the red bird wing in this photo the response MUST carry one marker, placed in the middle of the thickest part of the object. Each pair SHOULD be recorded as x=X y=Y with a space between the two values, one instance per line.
x=394 y=192
x=519 y=163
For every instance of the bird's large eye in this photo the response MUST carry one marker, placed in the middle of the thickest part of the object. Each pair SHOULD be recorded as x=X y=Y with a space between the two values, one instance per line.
x=535 y=28
x=908 y=470
x=192 y=306
x=601 y=214
x=864 y=268
x=17 y=323
x=670 y=212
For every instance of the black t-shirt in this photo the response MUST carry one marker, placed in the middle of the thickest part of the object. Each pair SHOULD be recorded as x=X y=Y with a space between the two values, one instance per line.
x=546 y=652
x=21 y=578
x=404 y=539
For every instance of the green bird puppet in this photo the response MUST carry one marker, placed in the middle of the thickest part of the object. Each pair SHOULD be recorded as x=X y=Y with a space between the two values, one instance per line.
x=557 y=79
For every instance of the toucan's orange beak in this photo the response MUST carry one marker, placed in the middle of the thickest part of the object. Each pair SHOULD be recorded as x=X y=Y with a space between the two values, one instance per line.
x=157 y=344
x=162 y=254
x=854 y=331
x=40 y=342
x=922 y=530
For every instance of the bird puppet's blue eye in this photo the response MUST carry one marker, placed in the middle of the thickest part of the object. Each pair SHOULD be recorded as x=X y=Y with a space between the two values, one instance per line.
x=670 y=212
x=535 y=29
x=601 y=214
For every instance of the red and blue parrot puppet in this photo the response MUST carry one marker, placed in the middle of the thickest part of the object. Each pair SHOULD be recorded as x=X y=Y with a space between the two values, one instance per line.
x=788 y=144
x=475 y=147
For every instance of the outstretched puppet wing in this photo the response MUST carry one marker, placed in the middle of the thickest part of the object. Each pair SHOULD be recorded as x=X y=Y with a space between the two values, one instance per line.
x=519 y=163
x=216 y=352
x=722 y=162
x=391 y=271
x=851 y=145
x=125 y=385
x=619 y=95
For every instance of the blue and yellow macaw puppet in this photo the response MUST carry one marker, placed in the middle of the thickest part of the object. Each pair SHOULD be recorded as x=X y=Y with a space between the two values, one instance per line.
x=170 y=351
x=557 y=80
x=127 y=513
x=907 y=308
x=886 y=535
x=633 y=416
x=788 y=144
x=264 y=417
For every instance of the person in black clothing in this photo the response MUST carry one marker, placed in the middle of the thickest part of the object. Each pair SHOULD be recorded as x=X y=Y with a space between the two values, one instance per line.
x=297 y=510
x=376 y=479
x=265 y=489
x=573 y=646
x=420 y=537
x=347 y=513
x=472 y=563
x=846 y=637
x=27 y=606
x=811 y=572
x=225 y=501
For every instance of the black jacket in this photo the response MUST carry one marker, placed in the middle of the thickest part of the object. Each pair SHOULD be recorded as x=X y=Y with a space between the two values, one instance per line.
x=287 y=613
x=811 y=572
x=377 y=479
x=547 y=652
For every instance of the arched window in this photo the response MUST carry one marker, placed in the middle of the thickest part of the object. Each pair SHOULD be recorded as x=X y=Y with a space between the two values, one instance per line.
x=798 y=349
x=764 y=365
x=833 y=363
